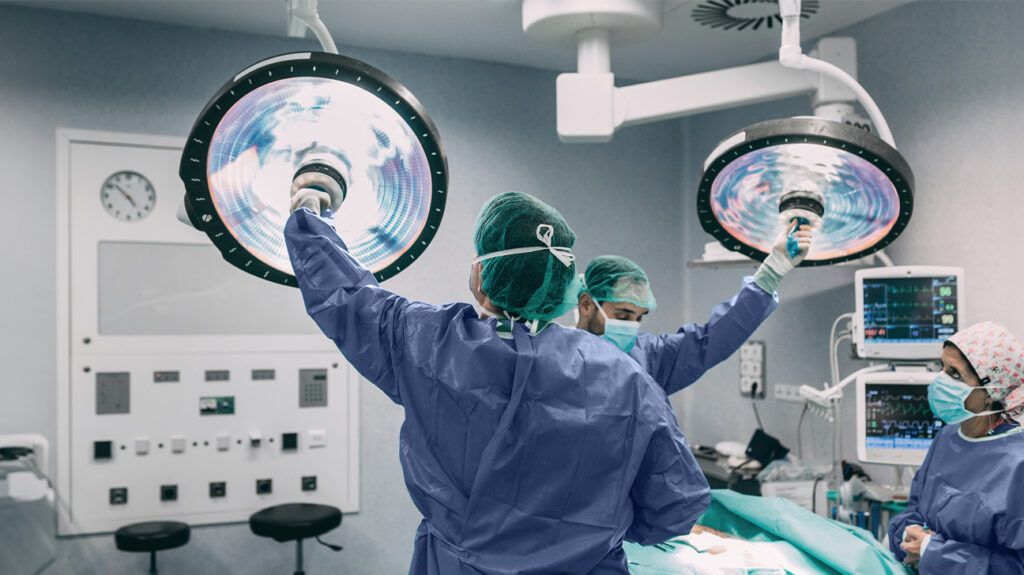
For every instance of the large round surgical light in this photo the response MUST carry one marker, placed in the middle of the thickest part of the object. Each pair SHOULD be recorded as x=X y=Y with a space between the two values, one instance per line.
x=865 y=184
x=287 y=112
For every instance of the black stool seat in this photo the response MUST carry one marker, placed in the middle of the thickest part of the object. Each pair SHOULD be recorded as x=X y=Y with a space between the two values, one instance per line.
x=294 y=521
x=151 y=536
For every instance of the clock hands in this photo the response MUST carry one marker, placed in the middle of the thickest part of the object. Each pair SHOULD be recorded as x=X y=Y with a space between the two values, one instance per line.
x=125 y=194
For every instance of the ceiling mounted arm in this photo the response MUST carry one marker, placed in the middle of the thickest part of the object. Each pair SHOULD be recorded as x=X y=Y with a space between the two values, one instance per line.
x=591 y=108
x=791 y=56
x=306 y=12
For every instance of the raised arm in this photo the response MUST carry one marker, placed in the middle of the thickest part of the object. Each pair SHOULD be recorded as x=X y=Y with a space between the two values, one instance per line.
x=364 y=320
x=678 y=360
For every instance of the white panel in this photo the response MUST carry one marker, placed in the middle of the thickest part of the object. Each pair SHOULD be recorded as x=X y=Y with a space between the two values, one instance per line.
x=161 y=412
x=170 y=304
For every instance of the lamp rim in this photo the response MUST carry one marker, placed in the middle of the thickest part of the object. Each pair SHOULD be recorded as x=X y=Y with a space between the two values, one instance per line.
x=809 y=130
x=193 y=167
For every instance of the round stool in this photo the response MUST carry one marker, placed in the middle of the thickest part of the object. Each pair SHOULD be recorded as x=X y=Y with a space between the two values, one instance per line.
x=295 y=522
x=151 y=537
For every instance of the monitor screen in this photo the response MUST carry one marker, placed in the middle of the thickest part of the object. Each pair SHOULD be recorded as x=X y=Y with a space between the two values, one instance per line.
x=910 y=310
x=897 y=417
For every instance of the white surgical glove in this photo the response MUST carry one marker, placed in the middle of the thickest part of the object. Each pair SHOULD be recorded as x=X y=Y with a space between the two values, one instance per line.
x=316 y=191
x=779 y=262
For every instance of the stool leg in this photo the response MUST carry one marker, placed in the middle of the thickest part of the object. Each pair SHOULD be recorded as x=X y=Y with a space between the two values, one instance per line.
x=298 y=558
x=152 y=561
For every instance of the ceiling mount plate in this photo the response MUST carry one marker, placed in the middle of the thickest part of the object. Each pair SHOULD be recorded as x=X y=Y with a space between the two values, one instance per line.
x=559 y=21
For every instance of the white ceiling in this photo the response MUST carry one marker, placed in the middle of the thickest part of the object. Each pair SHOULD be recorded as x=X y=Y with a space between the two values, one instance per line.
x=490 y=30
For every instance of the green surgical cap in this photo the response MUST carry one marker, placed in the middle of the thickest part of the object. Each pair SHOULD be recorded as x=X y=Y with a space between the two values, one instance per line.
x=535 y=285
x=618 y=279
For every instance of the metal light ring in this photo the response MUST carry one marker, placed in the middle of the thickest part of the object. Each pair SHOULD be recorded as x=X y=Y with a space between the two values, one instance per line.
x=813 y=131
x=193 y=167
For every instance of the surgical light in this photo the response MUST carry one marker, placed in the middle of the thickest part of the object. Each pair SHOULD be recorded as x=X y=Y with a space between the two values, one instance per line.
x=863 y=186
x=322 y=112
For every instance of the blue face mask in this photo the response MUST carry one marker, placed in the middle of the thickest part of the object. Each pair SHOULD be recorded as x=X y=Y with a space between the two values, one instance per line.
x=946 y=397
x=620 y=332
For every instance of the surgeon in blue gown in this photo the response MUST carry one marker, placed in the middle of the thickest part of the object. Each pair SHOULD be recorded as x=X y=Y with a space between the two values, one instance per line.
x=528 y=447
x=616 y=296
x=966 y=509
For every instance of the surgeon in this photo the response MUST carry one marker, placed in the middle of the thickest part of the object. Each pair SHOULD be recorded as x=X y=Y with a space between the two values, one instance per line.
x=616 y=296
x=528 y=447
x=966 y=508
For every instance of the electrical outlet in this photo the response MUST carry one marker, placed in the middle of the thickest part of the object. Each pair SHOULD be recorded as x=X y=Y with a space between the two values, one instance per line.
x=264 y=487
x=752 y=368
x=309 y=483
x=218 y=489
x=783 y=392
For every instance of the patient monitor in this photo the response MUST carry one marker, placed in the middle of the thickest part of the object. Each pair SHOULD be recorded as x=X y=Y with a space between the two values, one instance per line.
x=894 y=423
x=907 y=312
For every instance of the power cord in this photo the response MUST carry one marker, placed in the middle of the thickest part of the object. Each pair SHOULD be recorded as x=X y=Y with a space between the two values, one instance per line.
x=799 y=433
x=753 y=403
x=814 y=494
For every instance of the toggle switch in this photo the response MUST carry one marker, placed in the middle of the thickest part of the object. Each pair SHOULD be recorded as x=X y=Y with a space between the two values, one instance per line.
x=223 y=442
x=255 y=439
x=141 y=445
x=178 y=443
x=317 y=438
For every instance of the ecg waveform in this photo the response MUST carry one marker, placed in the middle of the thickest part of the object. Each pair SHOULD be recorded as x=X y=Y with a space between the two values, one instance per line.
x=910 y=309
x=897 y=415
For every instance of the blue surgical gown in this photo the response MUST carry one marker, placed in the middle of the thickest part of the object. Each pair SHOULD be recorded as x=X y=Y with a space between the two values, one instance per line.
x=677 y=360
x=538 y=454
x=971 y=494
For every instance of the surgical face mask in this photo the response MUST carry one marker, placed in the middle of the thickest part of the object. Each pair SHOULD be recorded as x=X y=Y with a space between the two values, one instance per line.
x=620 y=332
x=946 y=397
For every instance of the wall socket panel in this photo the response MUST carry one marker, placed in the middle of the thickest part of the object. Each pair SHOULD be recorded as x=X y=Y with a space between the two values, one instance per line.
x=752 y=368
x=784 y=392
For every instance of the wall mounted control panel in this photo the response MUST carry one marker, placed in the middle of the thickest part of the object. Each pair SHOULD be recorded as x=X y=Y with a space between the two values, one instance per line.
x=187 y=390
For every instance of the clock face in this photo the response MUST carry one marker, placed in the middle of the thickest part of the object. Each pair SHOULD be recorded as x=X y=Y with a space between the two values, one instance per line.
x=128 y=196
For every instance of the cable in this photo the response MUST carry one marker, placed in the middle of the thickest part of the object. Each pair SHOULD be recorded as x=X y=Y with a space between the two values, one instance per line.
x=60 y=503
x=753 y=403
x=814 y=494
x=799 y=432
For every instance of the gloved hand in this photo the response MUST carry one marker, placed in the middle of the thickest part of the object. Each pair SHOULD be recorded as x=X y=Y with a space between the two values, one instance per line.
x=779 y=263
x=316 y=191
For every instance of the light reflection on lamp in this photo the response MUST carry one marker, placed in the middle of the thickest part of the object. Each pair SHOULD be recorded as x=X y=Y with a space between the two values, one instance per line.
x=245 y=148
x=866 y=187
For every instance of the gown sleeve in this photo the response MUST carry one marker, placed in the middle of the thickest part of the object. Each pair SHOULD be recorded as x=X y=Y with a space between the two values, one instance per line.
x=679 y=359
x=364 y=320
x=948 y=557
x=911 y=515
x=670 y=492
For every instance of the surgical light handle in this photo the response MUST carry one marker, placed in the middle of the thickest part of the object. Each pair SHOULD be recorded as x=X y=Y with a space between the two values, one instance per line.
x=791 y=56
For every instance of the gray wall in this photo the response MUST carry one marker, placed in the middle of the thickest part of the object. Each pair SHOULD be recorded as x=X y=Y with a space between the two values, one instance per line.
x=948 y=76
x=498 y=124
